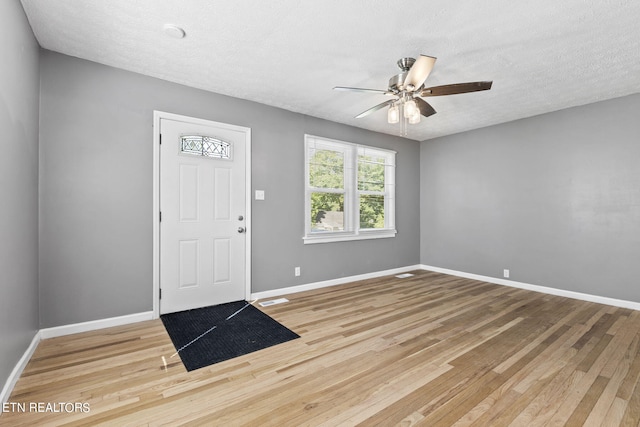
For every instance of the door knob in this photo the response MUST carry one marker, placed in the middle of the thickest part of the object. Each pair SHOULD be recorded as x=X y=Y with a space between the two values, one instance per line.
x=241 y=230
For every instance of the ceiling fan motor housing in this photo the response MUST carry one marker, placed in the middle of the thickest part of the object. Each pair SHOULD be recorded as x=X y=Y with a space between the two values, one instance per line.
x=396 y=83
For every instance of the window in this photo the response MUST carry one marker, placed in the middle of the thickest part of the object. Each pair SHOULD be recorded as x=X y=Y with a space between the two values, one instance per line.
x=205 y=146
x=349 y=191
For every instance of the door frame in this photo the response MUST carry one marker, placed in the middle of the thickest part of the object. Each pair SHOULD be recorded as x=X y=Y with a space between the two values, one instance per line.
x=157 y=116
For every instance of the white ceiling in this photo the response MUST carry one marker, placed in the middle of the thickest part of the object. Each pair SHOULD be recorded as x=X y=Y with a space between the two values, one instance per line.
x=542 y=55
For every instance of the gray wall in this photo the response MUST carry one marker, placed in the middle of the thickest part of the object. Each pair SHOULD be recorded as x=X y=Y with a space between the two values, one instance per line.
x=96 y=194
x=19 y=86
x=554 y=198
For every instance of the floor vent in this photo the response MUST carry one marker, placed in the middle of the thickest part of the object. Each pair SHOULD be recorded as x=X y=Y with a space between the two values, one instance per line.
x=404 y=276
x=273 y=302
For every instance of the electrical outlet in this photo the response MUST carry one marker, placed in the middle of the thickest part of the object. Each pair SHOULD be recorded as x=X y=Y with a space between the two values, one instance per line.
x=296 y=271
x=506 y=274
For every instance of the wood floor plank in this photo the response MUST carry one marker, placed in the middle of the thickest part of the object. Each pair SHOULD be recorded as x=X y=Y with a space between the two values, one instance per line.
x=584 y=408
x=428 y=350
x=631 y=415
x=615 y=413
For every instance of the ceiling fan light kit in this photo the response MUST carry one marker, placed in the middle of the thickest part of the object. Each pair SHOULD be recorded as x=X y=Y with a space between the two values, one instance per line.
x=410 y=108
x=408 y=88
x=414 y=118
x=393 y=115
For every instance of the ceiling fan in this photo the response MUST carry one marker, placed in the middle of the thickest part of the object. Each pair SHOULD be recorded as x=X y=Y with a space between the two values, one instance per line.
x=407 y=88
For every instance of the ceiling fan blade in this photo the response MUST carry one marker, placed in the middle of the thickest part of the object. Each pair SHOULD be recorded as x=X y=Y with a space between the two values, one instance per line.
x=359 y=89
x=419 y=72
x=376 y=108
x=425 y=108
x=455 y=89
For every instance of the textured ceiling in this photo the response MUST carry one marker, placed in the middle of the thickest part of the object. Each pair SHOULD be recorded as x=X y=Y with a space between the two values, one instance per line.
x=542 y=55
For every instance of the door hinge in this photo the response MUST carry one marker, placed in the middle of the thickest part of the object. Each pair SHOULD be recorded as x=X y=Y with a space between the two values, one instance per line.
x=160 y=293
x=160 y=216
x=160 y=139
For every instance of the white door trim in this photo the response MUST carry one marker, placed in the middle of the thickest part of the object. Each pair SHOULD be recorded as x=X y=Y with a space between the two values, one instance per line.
x=157 y=116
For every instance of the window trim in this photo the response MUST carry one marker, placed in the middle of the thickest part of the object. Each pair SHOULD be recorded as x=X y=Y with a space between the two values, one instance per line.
x=351 y=192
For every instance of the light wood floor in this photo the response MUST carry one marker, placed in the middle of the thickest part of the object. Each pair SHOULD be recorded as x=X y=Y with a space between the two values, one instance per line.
x=430 y=350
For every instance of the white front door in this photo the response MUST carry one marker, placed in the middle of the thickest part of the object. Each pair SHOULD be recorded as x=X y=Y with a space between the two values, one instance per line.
x=203 y=214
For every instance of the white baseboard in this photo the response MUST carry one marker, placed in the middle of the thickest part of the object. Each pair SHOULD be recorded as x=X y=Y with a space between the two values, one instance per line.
x=543 y=289
x=93 y=325
x=332 y=282
x=59 y=331
x=17 y=370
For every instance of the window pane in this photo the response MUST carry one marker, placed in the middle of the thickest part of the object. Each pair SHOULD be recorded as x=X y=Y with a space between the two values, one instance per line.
x=205 y=146
x=327 y=212
x=370 y=173
x=326 y=168
x=371 y=211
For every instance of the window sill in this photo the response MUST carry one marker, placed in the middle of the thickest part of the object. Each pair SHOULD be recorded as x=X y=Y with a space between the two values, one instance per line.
x=346 y=237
